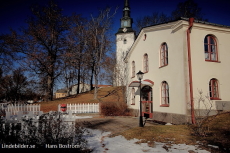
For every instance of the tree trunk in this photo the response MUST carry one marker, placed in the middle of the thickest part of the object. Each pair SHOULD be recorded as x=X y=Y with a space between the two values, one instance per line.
x=91 y=78
x=78 y=80
x=49 y=94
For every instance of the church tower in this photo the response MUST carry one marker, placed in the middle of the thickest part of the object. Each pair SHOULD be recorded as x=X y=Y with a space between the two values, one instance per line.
x=125 y=37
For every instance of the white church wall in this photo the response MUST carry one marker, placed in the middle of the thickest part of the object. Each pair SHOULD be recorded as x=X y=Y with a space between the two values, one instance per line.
x=173 y=73
x=204 y=71
x=122 y=49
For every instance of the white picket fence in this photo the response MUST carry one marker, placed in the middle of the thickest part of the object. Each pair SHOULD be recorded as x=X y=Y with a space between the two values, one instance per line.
x=82 y=108
x=25 y=109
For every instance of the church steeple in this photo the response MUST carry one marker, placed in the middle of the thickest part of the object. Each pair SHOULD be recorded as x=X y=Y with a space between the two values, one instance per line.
x=126 y=9
x=126 y=20
x=125 y=38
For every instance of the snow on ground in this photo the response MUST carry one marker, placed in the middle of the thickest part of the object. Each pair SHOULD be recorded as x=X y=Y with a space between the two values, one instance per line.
x=101 y=143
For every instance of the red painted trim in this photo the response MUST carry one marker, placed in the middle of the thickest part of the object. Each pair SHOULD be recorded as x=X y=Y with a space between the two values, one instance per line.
x=146 y=63
x=147 y=80
x=164 y=105
x=134 y=82
x=209 y=37
x=212 y=61
x=163 y=66
x=215 y=98
x=150 y=114
x=145 y=36
x=191 y=20
x=164 y=53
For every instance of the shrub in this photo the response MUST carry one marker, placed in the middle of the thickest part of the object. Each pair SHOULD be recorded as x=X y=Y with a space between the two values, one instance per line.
x=115 y=109
x=50 y=129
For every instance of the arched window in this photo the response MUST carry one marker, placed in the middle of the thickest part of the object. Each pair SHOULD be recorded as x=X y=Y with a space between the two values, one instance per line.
x=133 y=96
x=213 y=89
x=164 y=55
x=125 y=41
x=164 y=94
x=146 y=63
x=133 y=69
x=210 y=48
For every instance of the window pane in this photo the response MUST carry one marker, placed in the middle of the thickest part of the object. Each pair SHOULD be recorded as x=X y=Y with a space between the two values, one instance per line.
x=210 y=88
x=166 y=56
x=212 y=42
x=205 y=47
x=213 y=49
x=206 y=40
x=206 y=56
x=162 y=55
x=213 y=87
x=165 y=93
x=213 y=55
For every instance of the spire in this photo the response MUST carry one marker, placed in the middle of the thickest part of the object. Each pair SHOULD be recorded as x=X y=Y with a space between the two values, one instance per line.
x=126 y=20
x=126 y=9
x=126 y=3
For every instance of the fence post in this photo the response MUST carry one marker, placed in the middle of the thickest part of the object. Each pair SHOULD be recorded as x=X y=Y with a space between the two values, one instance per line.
x=88 y=107
x=8 y=115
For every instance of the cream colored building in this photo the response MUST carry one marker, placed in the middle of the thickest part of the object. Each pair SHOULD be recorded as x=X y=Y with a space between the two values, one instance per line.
x=179 y=60
x=61 y=93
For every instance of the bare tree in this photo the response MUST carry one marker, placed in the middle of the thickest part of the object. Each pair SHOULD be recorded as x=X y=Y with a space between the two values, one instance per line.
x=150 y=20
x=188 y=9
x=42 y=43
x=108 y=66
x=185 y=9
x=14 y=85
x=6 y=55
x=77 y=38
x=202 y=114
x=100 y=42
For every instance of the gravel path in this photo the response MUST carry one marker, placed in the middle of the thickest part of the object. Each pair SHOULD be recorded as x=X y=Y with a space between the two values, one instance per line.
x=115 y=125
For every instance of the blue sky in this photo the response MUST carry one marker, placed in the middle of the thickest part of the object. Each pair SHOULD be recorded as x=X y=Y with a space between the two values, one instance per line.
x=13 y=13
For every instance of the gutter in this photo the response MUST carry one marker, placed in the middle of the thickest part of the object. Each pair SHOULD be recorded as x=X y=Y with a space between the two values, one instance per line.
x=191 y=20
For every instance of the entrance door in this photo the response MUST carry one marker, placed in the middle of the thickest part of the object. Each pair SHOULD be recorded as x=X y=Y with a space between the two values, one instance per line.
x=147 y=101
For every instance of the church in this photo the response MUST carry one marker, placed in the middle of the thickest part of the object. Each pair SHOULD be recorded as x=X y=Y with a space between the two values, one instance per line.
x=185 y=68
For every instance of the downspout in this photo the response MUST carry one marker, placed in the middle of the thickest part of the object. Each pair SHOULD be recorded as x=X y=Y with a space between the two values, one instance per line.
x=191 y=20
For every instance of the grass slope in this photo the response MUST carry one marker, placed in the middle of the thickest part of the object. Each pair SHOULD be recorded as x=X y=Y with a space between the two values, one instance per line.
x=109 y=94
x=217 y=127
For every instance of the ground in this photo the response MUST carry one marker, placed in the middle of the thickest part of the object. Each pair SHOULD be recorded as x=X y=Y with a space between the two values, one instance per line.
x=106 y=137
x=115 y=125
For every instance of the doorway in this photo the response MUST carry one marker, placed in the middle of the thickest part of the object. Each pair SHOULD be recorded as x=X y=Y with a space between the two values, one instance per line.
x=147 y=101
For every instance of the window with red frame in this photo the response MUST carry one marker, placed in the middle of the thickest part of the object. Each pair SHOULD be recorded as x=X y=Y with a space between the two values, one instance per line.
x=210 y=48
x=146 y=63
x=213 y=89
x=133 y=96
x=133 y=69
x=164 y=55
x=164 y=94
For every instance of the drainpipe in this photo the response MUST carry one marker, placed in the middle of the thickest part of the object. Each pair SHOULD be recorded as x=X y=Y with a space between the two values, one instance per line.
x=191 y=20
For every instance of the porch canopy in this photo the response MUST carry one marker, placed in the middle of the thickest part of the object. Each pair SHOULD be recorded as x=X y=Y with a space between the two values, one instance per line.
x=144 y=82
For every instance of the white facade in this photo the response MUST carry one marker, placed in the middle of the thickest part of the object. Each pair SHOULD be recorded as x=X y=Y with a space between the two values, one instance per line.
x=82 y=88
x=170 y=76
x=124 y=42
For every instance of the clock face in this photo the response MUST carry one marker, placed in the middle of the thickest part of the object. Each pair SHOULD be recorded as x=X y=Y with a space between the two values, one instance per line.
x=125 y=23
x=124 y=30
